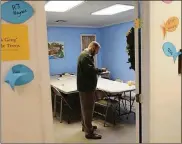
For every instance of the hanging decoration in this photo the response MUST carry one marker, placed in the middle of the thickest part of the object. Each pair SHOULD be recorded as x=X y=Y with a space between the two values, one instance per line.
x=170 y=50
x=138 y=23
x=130 y=38
x=19 y=75
x=16 y=12
x=170 y=25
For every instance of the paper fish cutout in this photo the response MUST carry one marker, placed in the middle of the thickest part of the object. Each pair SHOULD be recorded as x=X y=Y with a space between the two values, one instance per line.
x=19 y=75
x=16 y=11
x=167 y=1
x=170 y=50
x=170 y=25
x=138 y=23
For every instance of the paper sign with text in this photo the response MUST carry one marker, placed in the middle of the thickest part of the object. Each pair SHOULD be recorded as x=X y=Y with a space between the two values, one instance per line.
x=14 y=42
x=16 y=11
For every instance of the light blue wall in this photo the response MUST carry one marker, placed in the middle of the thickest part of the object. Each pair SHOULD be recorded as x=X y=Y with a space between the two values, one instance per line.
x=72 y=47
x=114 y=56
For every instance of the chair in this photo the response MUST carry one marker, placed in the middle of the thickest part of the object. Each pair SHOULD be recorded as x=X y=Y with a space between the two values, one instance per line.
x=126 y=97
x=105 y=101
x=62 y=102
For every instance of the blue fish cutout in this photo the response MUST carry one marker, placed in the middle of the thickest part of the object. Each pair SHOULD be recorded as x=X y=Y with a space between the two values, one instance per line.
x=16 y=12
x=170 y=50
x=19 y=75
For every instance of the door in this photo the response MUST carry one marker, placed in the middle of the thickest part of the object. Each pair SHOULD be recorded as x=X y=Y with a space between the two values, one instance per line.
x=138 y=72
x=85 y=41
x=139 y=77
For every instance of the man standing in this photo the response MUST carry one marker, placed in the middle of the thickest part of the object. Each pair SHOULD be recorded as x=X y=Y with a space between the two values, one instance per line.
x=86 y=85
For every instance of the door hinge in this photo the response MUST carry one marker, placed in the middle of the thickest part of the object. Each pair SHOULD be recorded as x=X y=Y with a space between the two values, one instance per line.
x=138 y=98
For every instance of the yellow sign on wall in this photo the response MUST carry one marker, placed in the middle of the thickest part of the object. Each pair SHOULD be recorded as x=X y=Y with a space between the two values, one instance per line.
x=14 y=42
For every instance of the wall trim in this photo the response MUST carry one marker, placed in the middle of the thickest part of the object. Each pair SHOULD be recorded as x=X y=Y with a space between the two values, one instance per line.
x=85 y=26
x=71 y=26
x=146 y=71
x=115 y=24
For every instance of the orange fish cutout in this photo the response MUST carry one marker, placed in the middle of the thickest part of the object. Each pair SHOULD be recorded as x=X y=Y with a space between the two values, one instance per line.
x=138 y=23
x=170 y=25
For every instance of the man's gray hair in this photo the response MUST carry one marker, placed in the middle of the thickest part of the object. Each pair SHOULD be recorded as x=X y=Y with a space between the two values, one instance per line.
x=95 y=44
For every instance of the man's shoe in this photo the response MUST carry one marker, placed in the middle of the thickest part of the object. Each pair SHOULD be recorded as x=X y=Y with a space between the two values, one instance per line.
x=94 y=128
x=93 y=136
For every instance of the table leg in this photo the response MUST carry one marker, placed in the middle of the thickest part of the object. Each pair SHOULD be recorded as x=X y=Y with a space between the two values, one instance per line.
x=130 y=106
x=54 y=106
x=61 y=110
x=119 y=105
x=130 y=102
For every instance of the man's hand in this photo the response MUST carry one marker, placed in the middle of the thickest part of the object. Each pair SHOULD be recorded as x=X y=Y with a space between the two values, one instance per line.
x=104 y=69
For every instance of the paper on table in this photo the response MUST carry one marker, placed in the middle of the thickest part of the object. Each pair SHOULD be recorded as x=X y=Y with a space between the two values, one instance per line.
x=19 y=75
x=106 y=72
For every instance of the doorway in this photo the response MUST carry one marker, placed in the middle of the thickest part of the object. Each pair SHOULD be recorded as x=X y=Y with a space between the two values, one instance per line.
x=86 y=39
x=107 y=35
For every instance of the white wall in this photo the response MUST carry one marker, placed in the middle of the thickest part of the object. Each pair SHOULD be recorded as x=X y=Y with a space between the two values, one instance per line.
x=26 y=114
x=161 y=84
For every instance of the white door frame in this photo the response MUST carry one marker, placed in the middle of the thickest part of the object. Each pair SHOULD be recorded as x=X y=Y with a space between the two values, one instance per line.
x=145 y=8
x=82 y=45
x=145 y=70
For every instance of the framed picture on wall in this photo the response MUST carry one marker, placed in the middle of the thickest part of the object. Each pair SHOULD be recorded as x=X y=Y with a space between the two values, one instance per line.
x=56 y=49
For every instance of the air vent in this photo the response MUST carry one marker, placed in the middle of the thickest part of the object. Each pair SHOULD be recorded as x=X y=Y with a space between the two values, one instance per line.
x=60 y=21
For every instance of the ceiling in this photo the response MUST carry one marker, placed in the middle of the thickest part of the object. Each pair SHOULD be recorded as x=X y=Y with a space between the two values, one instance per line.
x=81 y=15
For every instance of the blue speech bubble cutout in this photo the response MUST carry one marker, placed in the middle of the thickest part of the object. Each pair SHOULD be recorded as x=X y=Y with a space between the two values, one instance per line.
x=19 y=75
x=16 y=11
x=170 y=50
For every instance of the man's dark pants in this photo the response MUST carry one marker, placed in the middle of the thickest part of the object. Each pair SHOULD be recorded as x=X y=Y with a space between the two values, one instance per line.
x=87 y=101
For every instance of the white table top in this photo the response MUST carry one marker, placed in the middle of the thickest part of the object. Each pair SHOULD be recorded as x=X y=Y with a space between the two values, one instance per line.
x=67 y=85
x=113 y=87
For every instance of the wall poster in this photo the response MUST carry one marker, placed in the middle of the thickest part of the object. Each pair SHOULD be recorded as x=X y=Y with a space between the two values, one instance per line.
x=56 y=49
x=14 y=42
